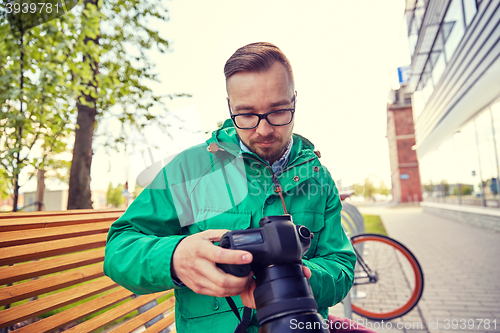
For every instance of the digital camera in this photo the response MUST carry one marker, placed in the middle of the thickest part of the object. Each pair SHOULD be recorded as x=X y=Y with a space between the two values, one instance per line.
x=283 y=293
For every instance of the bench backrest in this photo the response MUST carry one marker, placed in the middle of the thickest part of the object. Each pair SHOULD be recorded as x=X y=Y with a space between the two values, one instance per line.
x=51 y=260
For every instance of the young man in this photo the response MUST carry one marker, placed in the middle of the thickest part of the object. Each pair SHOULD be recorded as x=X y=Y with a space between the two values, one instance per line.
x=165 y=239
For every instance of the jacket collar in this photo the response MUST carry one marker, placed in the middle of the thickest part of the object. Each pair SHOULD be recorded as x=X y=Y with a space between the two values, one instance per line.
x=226 y=138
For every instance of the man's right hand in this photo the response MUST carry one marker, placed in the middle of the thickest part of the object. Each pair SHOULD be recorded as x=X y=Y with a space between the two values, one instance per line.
x=193 y=262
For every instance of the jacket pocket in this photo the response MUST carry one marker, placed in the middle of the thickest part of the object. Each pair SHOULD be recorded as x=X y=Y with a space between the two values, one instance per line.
x=315 y=222
x=213 y=219
x=192 y=305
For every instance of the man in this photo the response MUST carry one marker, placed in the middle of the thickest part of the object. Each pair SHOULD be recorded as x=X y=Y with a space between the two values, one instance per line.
x=165 y=239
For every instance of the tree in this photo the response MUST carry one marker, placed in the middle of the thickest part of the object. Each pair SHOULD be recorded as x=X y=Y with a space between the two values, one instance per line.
x=78 y=62
x=382 y=189
x=114 y=196
x=114 y=76
x=369 y=188
x=34 y=93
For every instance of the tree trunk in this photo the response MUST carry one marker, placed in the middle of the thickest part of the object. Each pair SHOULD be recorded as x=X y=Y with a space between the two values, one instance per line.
x=40 y=188
x=79 y=196
x=21 y=86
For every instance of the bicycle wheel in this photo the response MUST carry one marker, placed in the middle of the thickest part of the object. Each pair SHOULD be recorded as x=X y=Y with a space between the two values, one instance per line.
x=388 y=280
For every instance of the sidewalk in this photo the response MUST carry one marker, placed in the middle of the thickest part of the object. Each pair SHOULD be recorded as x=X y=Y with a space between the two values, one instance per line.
x=461 y=271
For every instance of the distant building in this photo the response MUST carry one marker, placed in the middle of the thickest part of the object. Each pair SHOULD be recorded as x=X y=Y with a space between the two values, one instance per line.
x=405 y=176
x=58 y=200
x=52 y=200
x=454 y=83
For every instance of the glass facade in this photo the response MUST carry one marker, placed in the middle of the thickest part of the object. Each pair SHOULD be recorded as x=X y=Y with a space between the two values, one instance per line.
x=414 y=25
x=459 y=15
x=464 y=169
x=453 y=27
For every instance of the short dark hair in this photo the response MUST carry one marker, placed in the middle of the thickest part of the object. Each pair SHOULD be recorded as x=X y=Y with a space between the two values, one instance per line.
x=256 y=57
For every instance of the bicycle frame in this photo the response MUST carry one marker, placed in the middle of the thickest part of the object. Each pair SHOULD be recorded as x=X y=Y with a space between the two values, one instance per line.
x=370 y=275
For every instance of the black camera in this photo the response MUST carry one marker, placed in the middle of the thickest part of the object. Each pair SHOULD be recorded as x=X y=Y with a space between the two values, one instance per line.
x=283 y=294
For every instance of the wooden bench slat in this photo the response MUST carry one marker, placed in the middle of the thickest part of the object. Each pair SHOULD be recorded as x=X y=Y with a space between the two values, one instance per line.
x=162 y=324
x=21 y=237
x=138 y=321
x=46 y=304
x=41 y=286
x=59 y=212
x=54 y=221
x=21 y=253
x=30 y=270
x=113 y=314
x=60 y=319
x=58 y=242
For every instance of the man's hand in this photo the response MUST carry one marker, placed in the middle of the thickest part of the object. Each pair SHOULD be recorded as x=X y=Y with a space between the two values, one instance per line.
x=247 y=296
x=193 y=262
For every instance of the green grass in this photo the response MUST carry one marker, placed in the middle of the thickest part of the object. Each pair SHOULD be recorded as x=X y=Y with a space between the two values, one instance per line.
x=374 y=225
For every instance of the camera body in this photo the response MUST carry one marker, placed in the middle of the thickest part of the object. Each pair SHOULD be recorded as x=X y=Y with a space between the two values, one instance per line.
x=282 y=293
x=278 y=241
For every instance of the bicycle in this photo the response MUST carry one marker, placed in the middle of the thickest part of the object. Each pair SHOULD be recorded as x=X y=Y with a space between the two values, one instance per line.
x=388 y=280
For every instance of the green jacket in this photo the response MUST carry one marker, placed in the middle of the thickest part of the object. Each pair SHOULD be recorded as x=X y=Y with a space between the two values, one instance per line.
x=228 y=189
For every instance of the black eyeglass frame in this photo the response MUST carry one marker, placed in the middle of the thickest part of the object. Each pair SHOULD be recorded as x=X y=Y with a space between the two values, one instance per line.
x=262 y=116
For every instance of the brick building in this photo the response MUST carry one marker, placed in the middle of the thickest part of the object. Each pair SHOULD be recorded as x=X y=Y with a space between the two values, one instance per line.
x=405 y=176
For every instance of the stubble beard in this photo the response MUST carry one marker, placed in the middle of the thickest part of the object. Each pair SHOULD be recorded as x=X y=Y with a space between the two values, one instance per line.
x=271 y=154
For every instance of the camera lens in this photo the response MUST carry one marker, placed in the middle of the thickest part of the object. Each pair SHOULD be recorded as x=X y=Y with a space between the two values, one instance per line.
x=283 y=297
x=304 y=232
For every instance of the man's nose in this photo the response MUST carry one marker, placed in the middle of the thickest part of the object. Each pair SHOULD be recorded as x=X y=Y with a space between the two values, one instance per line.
x=264 y=128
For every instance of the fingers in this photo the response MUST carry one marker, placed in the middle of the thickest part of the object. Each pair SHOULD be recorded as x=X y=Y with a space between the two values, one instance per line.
x=307 y=272
x=220 y=255
x=213 y=235
x=231 y=287
x=193 y=262
x=247 y=297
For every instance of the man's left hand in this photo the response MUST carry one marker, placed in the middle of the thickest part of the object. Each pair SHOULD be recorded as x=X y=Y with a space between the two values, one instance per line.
x=247 y=296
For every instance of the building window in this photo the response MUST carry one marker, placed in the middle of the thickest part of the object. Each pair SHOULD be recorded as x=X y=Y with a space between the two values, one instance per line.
x=431 y=176
x=418 y=104
x=487 y=159
x=428 y=88
x=470 y=11
x=438 y=68
x=413 y=37
x=419 y=14
x=467 y=165
x=453 y=27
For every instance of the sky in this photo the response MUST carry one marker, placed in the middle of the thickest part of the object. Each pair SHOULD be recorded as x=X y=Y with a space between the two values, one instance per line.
x=344 y=55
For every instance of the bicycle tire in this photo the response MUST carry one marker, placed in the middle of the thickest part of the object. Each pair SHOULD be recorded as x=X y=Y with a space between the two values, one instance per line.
x=400 y=280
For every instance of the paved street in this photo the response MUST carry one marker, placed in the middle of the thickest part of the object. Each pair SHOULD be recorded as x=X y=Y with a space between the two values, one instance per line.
x=461 y=270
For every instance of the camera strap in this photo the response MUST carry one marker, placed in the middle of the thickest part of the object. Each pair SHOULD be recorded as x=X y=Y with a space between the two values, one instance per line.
x=247 y=313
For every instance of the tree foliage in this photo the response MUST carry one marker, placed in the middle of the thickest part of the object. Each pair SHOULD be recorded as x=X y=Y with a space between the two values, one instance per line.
x=96 y=55
x=368 y=188
x=33 y=72
x=5 y=185
x=114 y=196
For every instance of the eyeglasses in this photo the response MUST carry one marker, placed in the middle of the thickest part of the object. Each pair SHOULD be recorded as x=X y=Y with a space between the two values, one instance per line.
x=280 y=117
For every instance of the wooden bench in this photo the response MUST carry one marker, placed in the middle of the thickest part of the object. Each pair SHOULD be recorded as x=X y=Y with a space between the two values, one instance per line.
x=51 y=260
